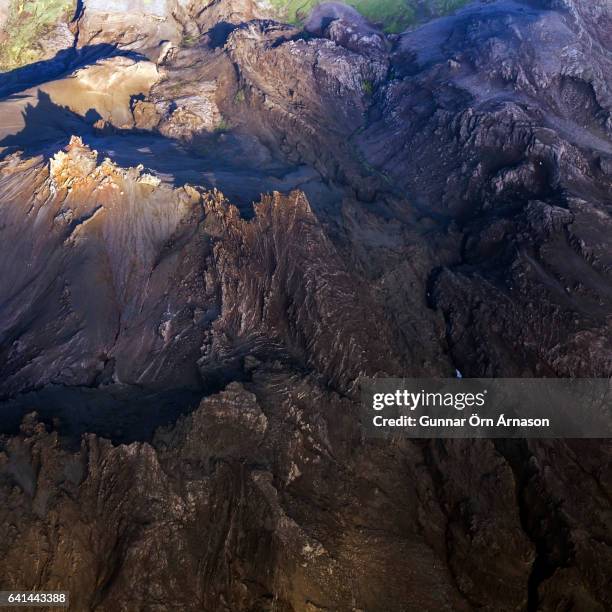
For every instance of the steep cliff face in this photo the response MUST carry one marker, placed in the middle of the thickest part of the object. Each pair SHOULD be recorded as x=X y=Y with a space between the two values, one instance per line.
x=123 y=278
x=98 y=265
x=423 y=203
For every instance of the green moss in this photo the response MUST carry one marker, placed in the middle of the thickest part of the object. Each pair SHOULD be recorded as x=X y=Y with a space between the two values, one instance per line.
x=28 y=21
x=394 y=15
x=239 y=98
x=367 y=87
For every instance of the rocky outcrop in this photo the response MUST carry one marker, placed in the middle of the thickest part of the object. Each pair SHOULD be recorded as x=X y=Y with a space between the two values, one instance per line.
x=93 y=215
x=180 y=112
x=133 y=276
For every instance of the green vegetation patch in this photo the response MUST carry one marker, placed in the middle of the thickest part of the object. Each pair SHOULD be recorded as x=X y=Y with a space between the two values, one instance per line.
x=368 y=87
x=393 y=15
x=28 y=21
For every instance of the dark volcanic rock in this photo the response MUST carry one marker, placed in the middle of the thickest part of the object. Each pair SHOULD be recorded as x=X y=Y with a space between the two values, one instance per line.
x=260 y=501
x=452 y=210
x=510 y=130
x=199 y=283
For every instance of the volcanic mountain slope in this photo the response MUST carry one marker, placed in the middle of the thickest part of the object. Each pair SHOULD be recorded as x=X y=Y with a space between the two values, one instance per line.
x=530 y=122
x=445 y=205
